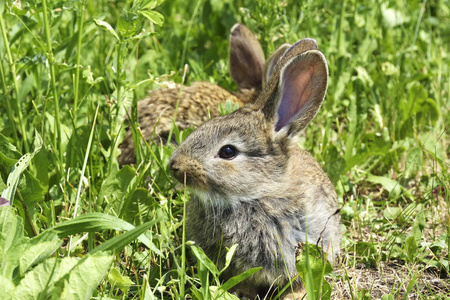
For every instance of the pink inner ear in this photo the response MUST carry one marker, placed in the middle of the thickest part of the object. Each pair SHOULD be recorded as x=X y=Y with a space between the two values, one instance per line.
x=296 y=92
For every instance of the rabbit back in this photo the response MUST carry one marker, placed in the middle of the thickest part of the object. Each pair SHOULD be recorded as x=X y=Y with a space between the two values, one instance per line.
x=196 y=104
x=200 y=101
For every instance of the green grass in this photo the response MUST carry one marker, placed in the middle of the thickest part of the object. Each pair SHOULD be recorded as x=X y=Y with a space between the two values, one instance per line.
x=381 y=135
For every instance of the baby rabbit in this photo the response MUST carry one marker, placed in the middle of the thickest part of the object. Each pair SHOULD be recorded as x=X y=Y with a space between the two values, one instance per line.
x=199 y=100
x=254 y=187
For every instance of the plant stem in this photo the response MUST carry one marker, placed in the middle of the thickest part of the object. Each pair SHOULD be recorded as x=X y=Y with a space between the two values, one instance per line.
x=183 y=246
x=77 y=72
x=12 y=67
x=114 y=127
x=83 y=170
x=51 y=60
x=8 y=104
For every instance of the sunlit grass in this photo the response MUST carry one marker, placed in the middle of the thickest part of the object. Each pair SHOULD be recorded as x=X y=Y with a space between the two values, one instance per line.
x=381 y=135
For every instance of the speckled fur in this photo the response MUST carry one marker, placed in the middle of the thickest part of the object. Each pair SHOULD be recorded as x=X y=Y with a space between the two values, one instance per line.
x=200 y=101
x=272 y=195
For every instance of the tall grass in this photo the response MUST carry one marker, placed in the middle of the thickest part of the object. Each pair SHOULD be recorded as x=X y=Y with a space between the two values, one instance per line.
x=381 y=135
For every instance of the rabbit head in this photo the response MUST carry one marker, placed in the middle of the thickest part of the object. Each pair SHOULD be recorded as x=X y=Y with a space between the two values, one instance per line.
x=244 y=155
x=254 y=185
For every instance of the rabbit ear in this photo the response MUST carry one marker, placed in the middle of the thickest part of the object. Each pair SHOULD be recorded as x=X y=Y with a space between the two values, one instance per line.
x=246 y=58
x=272 y=61
x=297 y=88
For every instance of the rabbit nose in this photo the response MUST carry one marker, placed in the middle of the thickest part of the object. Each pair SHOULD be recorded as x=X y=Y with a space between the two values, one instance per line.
x=174 y=167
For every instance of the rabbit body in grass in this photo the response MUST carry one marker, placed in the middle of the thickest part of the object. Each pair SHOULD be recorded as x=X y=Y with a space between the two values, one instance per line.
x=200 y=101
x=254 y=187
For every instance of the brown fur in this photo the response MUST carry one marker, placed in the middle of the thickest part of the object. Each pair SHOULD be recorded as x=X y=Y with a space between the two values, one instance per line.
x=271 y=195
x=200 y=101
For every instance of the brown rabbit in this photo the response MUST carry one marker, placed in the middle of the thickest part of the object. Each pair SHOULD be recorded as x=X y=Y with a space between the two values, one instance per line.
x=201 y=100
x=254 y=187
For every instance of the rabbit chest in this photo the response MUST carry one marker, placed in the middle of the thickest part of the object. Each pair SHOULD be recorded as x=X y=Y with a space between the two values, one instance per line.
x=264 y=240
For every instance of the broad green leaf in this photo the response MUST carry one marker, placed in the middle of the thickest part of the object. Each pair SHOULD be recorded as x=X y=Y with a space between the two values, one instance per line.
x=105 y=26
x=120 y=241
x=392 y=17
x=31 y=190
x=366 y=250
x=347 y=212
x=387 y=297
x=391 y=185
x=37 y=282
x=129 y=24
x=18 y=169
x=140 y=207
x=123 y=282
x=76 y=149
x=229 y=256
x=8 y=288
x=392 y=213
x=203 y=259
x=8 y=149
x=312 y=268
x=153 y=16
x=335 y=164
x=11 y=227
x=38 y=249
x=414 y=160
x=218 y=293
x=94 y=222
x=85 y=276
x=238 y=278
x=115 y=186
x=411 y=248
x=150 y=4
x=12 y=240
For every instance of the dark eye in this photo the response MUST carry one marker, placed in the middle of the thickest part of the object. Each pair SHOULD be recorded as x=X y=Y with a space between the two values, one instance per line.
x=227 y=152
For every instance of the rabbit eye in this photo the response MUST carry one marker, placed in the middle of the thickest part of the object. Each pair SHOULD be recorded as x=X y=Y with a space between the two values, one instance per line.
x=228 y=152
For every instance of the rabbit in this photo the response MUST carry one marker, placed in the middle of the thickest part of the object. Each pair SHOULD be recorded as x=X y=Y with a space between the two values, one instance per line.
x=201 y=100
x=255 y=187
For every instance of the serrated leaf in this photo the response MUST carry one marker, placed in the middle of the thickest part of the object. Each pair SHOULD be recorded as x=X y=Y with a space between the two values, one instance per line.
x=38 y=249
x=153 y=16
x=129 y=24
x=105 y=26
x=36 y=282
x=85 y=276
